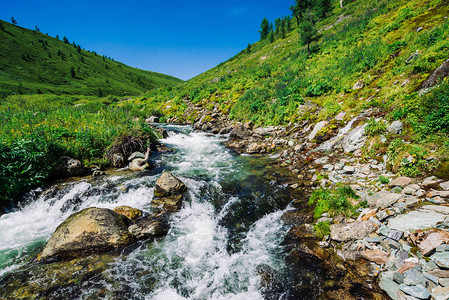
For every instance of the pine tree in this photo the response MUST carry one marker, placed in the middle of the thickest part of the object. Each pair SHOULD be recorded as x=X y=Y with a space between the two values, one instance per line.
x=264 y=29
x=13 y=21
x=2 y=26
x=78 y=48
x=271 y=37
x=307 y=30
x=57 y=37
x=248 y=49
x=65 y=40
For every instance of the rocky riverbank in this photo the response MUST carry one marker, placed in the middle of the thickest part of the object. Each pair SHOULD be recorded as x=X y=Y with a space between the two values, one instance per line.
x=400 y=239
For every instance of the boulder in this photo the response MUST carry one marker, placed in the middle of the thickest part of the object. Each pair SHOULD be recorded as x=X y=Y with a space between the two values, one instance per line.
x=71 y=166
x=395 y=127
x=401 y=181
x=242 y=131
x=351 y=231
x=382 y=199
x=168 y=185
x=92 y=230
x=129 y=212
x=354 y=140
x=417 y=291
x=318 y=126
x=135 y=155
x=171 y=203
x=139 y=164
x=441 y=259
x=150 y=227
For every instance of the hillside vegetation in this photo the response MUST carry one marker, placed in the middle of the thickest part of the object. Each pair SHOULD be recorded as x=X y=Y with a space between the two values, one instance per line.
x=34 y=63
x=369 y=56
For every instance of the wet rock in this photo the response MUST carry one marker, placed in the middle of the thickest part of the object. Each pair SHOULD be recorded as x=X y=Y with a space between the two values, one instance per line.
x=271 y=286
x=129 y=212
x=296 y=217
x=401 y=181
x=92 y=230
x=150 y=227
x=98 y=173
x=162 y=132
x=377 y=256
x=383 y=199
x=168 y=185
x=354 y=140
x=316 y=129
x=171 y=203
x=71 y=167
x=139 y=164
x=351 y=231
x=395 y=127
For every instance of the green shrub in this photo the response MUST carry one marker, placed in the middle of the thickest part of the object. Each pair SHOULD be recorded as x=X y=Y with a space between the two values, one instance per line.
x=322 y=229
x=384 y=180
x=334 y=202
x=374 y=127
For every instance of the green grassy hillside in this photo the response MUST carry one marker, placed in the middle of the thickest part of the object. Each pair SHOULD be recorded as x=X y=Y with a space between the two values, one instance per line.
x=369 y=56
x=32 y=62
x=366 y=41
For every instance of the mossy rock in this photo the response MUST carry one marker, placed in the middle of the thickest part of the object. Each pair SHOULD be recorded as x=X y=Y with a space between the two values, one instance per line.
x=129 y=212
x=92 y=230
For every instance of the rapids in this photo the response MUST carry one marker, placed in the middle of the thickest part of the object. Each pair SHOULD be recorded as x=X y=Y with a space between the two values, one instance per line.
x=230 y=225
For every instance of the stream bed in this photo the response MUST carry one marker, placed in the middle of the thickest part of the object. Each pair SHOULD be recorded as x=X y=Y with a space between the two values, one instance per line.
x=227 y=232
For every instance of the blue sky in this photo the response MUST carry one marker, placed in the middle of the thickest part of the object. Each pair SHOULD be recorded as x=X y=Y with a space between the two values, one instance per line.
x=182 y=38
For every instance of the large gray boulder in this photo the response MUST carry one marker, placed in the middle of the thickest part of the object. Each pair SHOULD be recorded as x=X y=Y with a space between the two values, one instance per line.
x=351 y=231
x=92 y=230
x=354 y=140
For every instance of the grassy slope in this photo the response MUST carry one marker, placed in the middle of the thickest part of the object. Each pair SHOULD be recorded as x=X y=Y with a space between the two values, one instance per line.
x=367 y=41
x=371 y=45
x=29 y=63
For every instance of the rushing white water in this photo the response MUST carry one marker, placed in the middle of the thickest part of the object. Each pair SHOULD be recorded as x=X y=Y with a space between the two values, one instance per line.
x=216 y=240
x=328 y=145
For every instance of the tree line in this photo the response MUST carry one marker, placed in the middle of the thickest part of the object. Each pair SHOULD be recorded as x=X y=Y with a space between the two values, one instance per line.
x=306 y=13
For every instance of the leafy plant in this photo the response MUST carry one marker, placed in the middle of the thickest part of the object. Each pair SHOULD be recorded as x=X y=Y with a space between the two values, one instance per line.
x=322 y=229
x=374 y=127
x=334 y=202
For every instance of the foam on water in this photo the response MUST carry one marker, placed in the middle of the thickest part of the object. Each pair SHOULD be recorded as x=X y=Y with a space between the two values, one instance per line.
x=194 y=260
